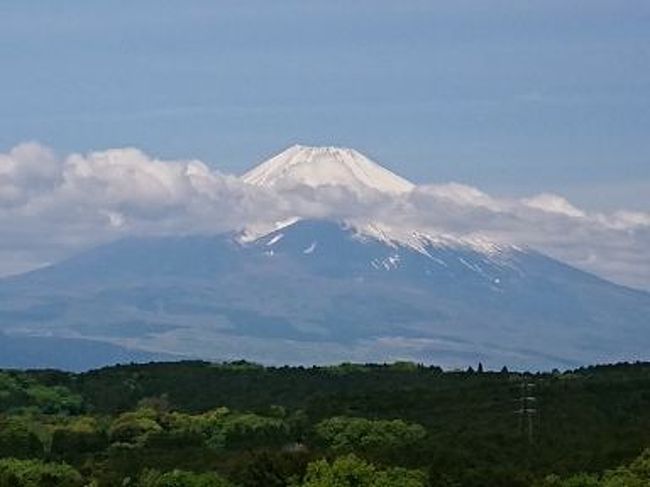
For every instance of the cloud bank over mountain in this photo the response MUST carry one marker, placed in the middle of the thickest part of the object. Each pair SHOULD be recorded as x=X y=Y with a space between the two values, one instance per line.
x=52 y=206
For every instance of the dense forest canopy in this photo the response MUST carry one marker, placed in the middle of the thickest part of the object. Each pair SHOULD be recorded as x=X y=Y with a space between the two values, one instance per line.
x=401 y=424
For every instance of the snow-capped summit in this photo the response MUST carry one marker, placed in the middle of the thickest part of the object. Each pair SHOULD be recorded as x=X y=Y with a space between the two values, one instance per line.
x=338 y=166
x=324 y=166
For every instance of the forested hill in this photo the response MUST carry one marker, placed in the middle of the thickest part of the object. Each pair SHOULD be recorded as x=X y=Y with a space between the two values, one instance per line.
x=244 y=424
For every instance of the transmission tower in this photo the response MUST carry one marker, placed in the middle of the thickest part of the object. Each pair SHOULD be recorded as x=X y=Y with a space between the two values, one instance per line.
x=527 y=410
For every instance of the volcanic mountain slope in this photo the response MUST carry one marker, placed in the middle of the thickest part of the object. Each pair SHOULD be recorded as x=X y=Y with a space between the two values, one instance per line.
x=317 y=291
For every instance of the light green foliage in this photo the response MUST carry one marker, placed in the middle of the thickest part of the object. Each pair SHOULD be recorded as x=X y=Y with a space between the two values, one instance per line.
x=360 y=434
x=134 y=427
x=350 y=471
x=159 y=403
x=34 y=473
x=19 y=391
x=55 y=399
x=179 y=478
x=223 y=428
x=637 y=474
x=621 y=478
x=641 y=466
x=83 y=424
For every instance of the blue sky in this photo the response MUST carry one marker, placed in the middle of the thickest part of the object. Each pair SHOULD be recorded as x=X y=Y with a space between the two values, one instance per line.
x=513 y=97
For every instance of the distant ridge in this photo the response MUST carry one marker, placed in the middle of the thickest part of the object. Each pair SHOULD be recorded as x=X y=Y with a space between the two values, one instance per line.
x=71 y=354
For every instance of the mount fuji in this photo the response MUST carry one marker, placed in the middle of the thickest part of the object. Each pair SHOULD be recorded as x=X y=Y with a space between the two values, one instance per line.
x=320 y=166
x=307 y=291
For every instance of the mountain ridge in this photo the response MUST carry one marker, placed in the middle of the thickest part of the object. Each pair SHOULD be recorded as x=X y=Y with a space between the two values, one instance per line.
x=313 y=295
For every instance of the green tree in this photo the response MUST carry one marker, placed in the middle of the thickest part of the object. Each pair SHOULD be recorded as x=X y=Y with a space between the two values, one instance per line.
x=347 y=434
x=637 y=474
x=223 y=428
x=350 y=471
x=18 y=438
x=56 y=399
x=19 y=390
x=82 y=435
x=34 y=473
x=134 y=427
x=180 y=478
x=270 y=468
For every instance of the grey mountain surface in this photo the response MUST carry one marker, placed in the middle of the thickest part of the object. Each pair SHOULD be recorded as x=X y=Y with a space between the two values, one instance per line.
x=320 y=291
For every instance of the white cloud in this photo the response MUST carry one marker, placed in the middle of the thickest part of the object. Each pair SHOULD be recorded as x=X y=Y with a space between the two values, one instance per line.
x=51 y=207
x=26 y=170
x=614 y=246
x=553 y=203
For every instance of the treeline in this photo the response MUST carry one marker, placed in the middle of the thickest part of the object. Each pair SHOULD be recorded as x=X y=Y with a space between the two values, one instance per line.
x=403 y=424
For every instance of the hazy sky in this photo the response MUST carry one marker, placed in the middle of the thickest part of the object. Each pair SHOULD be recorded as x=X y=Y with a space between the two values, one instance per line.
x=515 y=97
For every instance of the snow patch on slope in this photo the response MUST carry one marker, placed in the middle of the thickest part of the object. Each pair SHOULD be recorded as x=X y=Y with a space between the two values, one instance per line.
x=310 y=249
x=261 y=229
x=275 y=239
x=422 y=241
